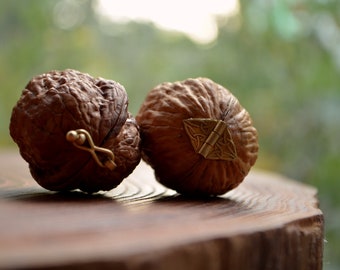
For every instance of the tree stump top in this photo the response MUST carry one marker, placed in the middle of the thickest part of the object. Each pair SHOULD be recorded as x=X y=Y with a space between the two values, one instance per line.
x=268 y=222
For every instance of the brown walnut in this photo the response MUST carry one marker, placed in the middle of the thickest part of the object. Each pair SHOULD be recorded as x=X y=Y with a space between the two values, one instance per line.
x=54 y=103
x=197 y=137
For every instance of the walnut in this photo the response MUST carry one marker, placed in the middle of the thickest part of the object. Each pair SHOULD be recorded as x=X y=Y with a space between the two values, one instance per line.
x=197 y=137
x=62 y=113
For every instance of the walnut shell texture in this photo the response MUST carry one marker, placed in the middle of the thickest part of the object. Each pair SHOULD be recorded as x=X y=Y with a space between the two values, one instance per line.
x=167 y=146
x=59 y=101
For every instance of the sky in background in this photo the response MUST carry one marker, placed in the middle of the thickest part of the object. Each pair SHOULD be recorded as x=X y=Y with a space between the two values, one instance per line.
x=192 y=17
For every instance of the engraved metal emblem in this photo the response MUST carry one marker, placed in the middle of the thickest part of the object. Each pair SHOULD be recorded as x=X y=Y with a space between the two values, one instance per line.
x=210 y=138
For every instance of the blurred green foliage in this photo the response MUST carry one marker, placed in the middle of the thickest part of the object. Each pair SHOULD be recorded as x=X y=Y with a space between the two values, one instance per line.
x=280 y=58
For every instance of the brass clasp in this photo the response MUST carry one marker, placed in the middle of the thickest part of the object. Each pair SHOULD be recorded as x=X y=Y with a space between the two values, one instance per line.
x=79 y=136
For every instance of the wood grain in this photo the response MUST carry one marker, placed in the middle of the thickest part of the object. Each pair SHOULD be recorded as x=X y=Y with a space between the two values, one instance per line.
x=268 y=222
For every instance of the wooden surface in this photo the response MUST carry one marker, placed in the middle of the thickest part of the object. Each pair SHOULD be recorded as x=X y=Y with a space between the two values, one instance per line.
x=268 y=222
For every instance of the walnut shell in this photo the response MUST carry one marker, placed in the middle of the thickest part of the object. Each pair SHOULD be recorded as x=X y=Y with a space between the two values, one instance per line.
x=59 y=101
x=176 y=120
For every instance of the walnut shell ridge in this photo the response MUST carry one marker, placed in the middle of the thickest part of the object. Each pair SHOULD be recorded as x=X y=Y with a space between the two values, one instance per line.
x=59 y=101
x=167 y=146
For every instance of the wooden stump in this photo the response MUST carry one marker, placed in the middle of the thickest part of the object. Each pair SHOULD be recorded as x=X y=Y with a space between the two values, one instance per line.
x=268 y=222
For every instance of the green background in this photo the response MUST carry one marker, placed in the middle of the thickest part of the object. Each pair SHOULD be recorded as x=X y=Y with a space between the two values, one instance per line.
x=280 y=58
